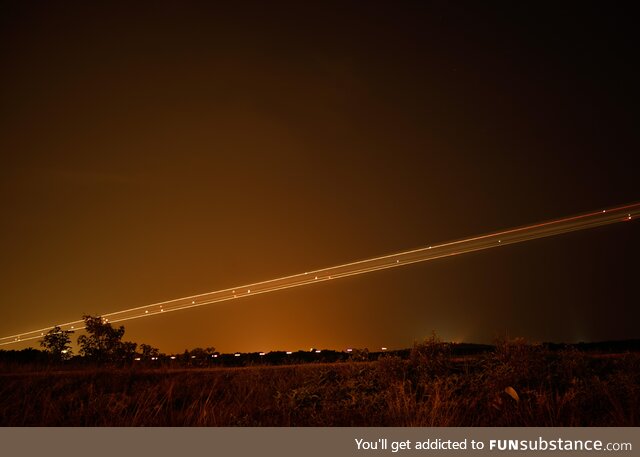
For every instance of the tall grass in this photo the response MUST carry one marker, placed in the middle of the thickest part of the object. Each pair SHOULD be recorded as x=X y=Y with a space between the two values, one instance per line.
x=516 y=385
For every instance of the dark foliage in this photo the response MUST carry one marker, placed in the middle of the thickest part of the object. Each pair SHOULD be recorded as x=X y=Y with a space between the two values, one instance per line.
x=57 y=343
x=516 y=384
x=103 y=343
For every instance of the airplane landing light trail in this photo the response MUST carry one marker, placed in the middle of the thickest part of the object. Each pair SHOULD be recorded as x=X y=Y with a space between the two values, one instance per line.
x=432 y=252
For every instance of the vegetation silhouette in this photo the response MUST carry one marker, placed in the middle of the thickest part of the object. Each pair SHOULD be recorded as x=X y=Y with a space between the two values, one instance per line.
x=434 y=383
x=513 y=384
x=57 y=343
x=103 y=343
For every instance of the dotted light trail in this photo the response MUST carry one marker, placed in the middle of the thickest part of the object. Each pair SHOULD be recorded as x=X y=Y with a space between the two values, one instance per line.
x=432 y=252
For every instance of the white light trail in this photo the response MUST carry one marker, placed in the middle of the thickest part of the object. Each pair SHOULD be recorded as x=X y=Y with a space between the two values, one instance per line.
x=431 y=252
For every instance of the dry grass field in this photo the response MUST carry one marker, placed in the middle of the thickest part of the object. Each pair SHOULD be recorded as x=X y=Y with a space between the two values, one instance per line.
x=515 y=385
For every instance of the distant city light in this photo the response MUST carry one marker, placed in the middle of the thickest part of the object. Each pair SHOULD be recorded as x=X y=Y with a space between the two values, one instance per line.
x=262 y=353
x=384 y=349
x=289 y=352
x=237 y=354
x=137 y=359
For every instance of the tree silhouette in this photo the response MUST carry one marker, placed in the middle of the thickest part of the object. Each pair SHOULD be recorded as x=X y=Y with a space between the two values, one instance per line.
x=103 y=343
x=57 y=343
x=198 y=356
x=126 y=350
x=149 y=351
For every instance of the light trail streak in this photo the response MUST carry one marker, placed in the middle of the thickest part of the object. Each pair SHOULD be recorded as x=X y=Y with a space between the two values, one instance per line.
x=432 y=252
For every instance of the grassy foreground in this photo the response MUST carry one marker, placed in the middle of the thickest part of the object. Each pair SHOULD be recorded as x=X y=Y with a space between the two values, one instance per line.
x=515 y=385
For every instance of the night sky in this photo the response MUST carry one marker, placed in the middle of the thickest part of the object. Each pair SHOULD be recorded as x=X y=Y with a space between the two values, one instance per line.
x=153 y=150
